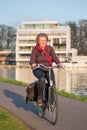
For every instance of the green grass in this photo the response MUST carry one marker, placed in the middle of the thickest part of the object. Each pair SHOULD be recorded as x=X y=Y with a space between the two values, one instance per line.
x=9 y=122
x=71 y=95
x=13 y=81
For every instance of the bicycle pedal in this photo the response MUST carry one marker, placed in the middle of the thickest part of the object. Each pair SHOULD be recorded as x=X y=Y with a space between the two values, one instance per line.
x=52 y=108
x=39 y=104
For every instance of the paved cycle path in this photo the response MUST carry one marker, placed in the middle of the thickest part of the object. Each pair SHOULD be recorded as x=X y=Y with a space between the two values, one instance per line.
x=72 y=113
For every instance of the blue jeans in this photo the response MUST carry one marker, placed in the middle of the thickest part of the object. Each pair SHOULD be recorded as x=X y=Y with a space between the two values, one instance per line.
x=43 y=88
x=40 y=74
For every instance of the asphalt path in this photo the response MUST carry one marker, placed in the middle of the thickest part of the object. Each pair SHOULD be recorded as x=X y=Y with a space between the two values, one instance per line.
x=72 y=114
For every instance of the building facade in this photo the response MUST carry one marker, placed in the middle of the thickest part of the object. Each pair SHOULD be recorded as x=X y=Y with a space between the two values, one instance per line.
x=59 y=38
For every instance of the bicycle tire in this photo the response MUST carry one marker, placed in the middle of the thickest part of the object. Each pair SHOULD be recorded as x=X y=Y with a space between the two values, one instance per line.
x=52 y=105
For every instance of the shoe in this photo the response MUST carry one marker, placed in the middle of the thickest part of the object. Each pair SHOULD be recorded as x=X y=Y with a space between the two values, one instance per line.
x=39 y=102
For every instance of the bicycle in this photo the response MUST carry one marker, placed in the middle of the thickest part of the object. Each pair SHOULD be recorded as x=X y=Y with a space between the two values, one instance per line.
x=52 y=103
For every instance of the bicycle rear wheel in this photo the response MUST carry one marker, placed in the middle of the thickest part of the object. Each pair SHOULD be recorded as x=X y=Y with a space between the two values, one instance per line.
x=52 y=105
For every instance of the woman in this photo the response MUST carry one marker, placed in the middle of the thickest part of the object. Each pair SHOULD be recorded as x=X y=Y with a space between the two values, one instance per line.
x=43 y=54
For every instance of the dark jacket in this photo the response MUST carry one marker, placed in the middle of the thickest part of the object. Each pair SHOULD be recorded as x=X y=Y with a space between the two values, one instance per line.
x=39 y=58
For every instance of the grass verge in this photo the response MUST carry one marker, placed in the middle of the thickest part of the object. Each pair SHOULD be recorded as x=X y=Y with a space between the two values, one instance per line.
x=13 y=81
x=9 y=122
x=71 y=95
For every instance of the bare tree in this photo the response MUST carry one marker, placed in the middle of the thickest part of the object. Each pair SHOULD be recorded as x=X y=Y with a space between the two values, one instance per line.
x=82 y=37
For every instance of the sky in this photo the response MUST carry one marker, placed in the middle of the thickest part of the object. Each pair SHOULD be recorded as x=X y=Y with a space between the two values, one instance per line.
x=14 y=12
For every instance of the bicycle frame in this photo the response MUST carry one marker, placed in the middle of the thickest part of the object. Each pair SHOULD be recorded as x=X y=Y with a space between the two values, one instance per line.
x=49 y=68
x=52 y=104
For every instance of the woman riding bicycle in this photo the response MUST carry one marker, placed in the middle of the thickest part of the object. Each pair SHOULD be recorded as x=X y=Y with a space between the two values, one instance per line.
x=43 y=54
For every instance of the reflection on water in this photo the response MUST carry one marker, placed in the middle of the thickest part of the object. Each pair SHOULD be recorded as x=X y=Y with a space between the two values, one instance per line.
x=24 y=75
x=72 y=80
x=7 y=73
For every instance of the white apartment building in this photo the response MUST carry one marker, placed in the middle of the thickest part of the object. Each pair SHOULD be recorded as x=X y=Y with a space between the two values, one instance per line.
x=59 y=38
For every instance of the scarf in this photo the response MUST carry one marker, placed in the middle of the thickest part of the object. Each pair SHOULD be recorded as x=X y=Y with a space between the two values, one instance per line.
x=48 y=57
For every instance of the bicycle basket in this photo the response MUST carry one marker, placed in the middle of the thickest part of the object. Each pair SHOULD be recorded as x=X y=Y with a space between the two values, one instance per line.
x=32 y=92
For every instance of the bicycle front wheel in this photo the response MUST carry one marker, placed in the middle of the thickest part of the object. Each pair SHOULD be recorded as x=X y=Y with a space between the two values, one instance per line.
x=53 y=105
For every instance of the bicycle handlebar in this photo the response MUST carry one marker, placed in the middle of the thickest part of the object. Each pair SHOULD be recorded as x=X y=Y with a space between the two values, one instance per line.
x=47 y=67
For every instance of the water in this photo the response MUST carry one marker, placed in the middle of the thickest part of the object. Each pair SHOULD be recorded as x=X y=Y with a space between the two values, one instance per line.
x=72 y=80
x=7 y=73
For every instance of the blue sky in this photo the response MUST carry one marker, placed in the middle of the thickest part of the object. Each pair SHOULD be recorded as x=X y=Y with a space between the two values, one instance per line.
x=14 y=12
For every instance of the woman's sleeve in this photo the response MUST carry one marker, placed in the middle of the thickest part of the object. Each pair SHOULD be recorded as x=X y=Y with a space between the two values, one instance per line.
x=54 y=56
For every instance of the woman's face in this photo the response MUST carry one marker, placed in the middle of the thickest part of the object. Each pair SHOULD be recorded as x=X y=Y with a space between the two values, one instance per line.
x=42 y=41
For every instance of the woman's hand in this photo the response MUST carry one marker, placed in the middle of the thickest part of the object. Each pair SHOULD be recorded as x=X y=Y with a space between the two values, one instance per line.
x=33 y=65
